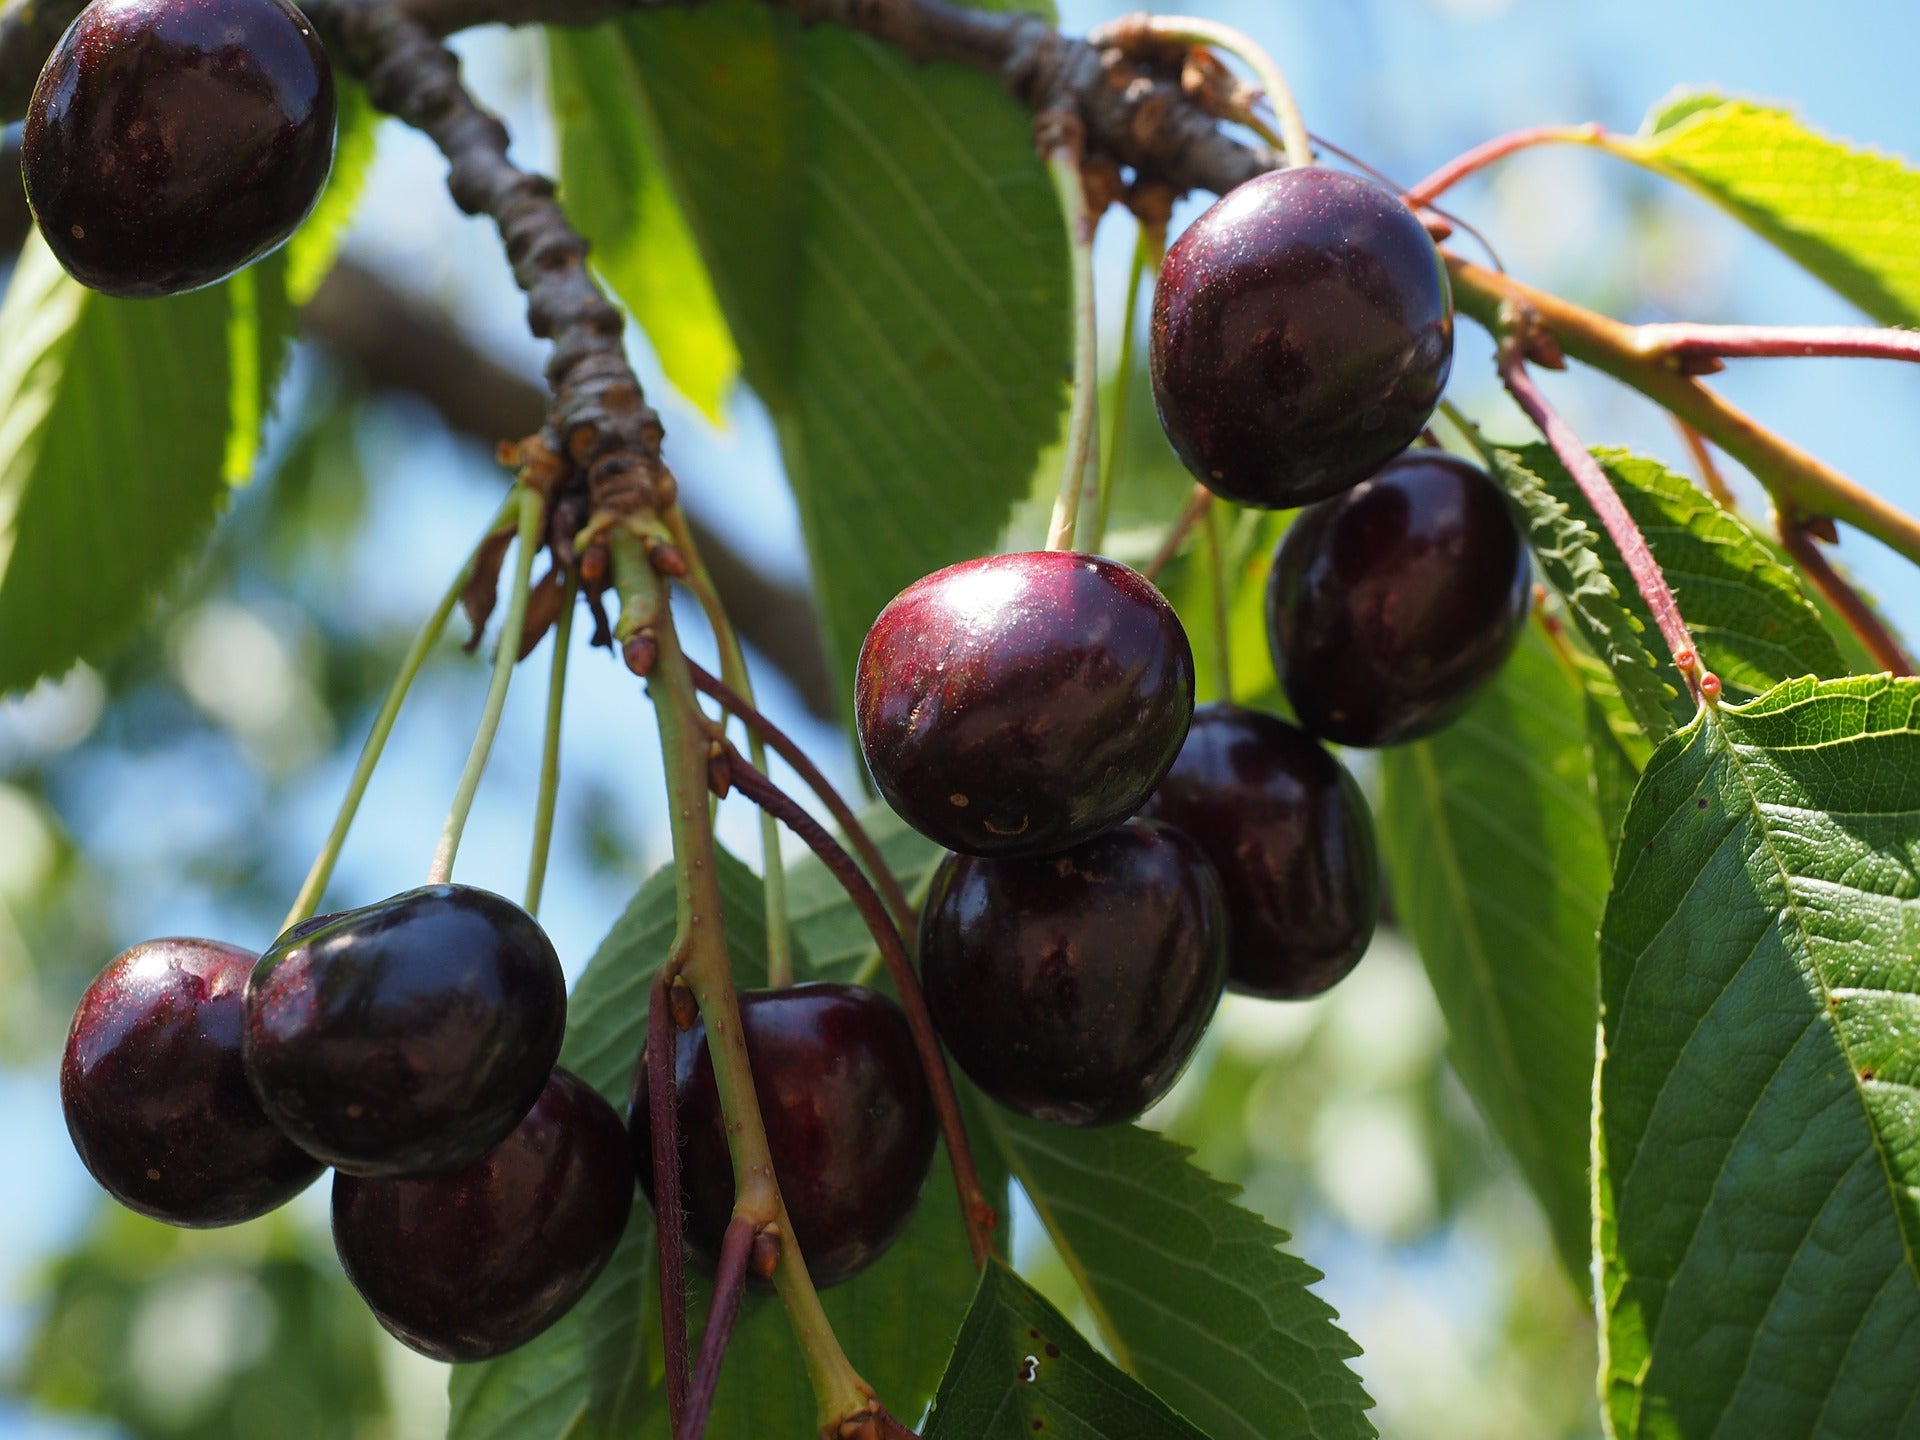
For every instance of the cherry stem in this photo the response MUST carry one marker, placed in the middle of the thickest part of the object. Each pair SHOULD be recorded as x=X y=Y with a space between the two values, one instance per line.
x=533 y=514
x=1860 y=617
x=1695 y=349
x=1222 y=621
x=1594 y=484
x=669 y=1216
x=1063 y=164
x=550 y=747
x=1149 y=248
x=1710 y=475
x=315 y=885
x=733 y=666
x=974 y=1209
x=1194 y=512
x=1295 y=143
x=729 y=1285
x=1498 y=148
x=761 y=728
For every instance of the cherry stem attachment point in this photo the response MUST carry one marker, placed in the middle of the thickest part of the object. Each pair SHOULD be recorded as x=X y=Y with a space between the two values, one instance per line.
x=1063 y=164
x=761 y=728
x=1498 y=148
x=1295 y=143
x=1197 y=506
x=729 y=1285
x=315 y=885
x=974 y=1208
x=533 y=513
x=1860 y=617
x=663 y=1120
x=550 y=747
x=1594 y=484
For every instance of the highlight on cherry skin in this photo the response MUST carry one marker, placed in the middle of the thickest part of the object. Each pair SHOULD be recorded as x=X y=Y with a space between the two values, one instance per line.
x=1021 y=704
x=1302 y=334
x=850 y=1123
x=170 y=143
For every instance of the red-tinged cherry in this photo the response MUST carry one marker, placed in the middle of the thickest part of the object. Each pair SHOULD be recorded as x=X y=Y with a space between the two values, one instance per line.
x=470 y=1264
x=1302 y=333
x=408 y=1037
x=1074 y=987
x=168 y=143
x=1291 y=838
x=1020 y=704
x=1390 y=606
x=156 y=1099
x=849 y=1121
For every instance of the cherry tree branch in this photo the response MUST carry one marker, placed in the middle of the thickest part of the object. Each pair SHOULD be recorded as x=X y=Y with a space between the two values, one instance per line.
x=1698 y=349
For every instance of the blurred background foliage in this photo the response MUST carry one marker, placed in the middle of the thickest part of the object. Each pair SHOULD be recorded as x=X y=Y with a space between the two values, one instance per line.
x=182 y=787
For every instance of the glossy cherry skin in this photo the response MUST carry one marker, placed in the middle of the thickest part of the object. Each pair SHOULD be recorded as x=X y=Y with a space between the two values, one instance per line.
x=156 y=1099
x=1291 y=838
x=408 y=1037
x=849 y=1121
x=472 y=1263
x=1302 y=333
x=1020 y=704
x=1390 y=606
x=171 y=142
x=1074 y=987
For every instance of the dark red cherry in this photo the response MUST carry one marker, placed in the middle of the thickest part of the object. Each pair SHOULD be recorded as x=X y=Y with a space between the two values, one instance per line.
x=408 y=1037
x=1302 y=333
x=1291 y=838
x=470 y=1264
x=171 y=142
x=156 y=1099
x=1074 y=987
x=1020 y=704
x=1391 y=605
x=849 y=1121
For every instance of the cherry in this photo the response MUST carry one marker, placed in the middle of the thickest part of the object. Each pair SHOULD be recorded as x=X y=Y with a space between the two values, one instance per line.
x=849 y=1121
x=155 y=1097
x=168 y=143
x=1074 y=987
x=1292 y=839
x=407 y=1037
x=1302 y=333
x=1020 y=704
x=469 y=1264
x=1391 y=605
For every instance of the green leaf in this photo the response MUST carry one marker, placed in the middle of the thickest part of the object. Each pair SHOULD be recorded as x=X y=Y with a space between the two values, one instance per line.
x=1192 y=1292
x=1019 y=1369
x=594 y=1374
x=1491 y=838
x=1570 y=551
x=1758 y=1188
x=316 y=244
x=1752 y=622
x=1846 y=213
x=121 y=422
x=891 y=259
x=618 y=193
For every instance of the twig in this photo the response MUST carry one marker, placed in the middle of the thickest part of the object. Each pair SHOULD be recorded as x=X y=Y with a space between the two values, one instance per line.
x=729 y=1285
x=898 y=905
x=1198 y=503
x=1498 y=148
x=974 y=1209
x=1861 y=618
x=1698 y=349
x=663 y=1120
x=1703 y=461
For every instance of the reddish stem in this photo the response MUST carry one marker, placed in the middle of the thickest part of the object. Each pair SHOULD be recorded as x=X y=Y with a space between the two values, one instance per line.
x=1695 y=349
x=729 y=1285
x=1599 y=491
x=783 y=744
x=1195 y=511
x=1860 y=616
x=662 y=1113
x=1498 y=148
x=974 y=1209
x=1710 y=475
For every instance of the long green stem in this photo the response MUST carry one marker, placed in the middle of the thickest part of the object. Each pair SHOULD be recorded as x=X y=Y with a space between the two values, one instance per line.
x=1149 y=248
x=1063 y=163
x=533 y=510
x=1222 y=620
x=550 y=750
x=701 y=960
x=315 y=885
